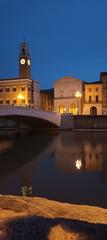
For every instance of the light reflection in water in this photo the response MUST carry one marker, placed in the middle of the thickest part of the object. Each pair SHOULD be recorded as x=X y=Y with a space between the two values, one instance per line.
x=4 y=145
x=78 y=164
x=58 y=167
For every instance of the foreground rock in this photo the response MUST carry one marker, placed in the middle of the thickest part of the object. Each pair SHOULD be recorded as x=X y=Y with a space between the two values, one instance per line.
x=23 y=218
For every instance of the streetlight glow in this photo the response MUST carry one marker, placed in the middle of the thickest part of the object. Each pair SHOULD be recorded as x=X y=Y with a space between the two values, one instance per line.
x=78 y=164
x=78 y=94
x=20 y=96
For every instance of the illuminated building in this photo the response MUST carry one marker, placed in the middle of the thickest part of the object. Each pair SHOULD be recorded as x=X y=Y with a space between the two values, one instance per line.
x=22 y=90
x=92 y=104
x=72 y=95
x=68 y=93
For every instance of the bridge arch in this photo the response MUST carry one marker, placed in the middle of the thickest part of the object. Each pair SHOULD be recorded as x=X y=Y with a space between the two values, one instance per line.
x=35 y=116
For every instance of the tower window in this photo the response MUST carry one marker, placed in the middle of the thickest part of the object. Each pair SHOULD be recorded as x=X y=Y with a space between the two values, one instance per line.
x=7 y=89
x=23 y=51
x=22 y=88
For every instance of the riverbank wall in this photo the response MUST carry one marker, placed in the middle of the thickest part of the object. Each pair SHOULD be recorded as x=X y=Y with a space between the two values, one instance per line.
x=95 y=122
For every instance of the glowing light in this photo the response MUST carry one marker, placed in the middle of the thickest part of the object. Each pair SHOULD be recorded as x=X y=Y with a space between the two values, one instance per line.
x=78 y=164
x=78 y=94
x=20 y=96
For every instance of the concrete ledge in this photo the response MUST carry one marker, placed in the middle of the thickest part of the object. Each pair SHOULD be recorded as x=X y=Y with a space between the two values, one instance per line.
x=42 y=219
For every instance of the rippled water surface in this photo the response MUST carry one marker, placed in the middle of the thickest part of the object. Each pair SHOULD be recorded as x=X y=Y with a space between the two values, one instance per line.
x=67 y=166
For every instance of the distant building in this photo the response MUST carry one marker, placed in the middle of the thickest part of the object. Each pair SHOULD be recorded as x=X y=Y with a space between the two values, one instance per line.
x=92 y=102
x=68 y=94
x=103 y=79
x=72 y=95
x=22 y=90
x=47 y=99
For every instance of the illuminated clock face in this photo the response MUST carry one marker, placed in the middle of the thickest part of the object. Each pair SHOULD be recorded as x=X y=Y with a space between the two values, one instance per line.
x=22 y=61
x=28 y=61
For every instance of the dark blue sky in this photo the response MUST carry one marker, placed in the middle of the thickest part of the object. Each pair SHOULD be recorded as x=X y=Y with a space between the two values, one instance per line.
x=65 y=37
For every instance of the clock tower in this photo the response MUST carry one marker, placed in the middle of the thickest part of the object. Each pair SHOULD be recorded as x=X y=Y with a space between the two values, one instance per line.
x=24 y=62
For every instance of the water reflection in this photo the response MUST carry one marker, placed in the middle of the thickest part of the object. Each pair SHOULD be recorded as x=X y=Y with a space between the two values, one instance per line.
x=76 y=151
x=21 y=159
x=78 y=164
x=69 y=167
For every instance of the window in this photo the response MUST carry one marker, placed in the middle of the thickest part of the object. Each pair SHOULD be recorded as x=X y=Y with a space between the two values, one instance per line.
x=7 y=101
x=14 y=89
x=96 y=89
x=97 y=98
x=23 y=101
x=1 y=90
x=14 y=101
x=1 y=101
x=90 y=98
x=22 y=88
x=93 y=111
x=7 y=89
x=29 y=89
x=89 y=89
x=29 y=100
x=23 y=51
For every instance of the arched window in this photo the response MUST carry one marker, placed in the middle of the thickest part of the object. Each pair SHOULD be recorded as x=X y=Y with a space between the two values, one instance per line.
x=93 y=111
x=73 y=109
x=62 y=108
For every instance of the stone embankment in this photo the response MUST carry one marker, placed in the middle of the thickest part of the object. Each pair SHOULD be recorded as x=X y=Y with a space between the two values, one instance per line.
x=26 y=218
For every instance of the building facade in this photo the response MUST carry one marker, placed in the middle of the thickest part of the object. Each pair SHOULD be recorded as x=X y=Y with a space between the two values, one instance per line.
x=103 y=79
x=22 y=90
x=47 y=99
x=92 y=104
x=68 y=94
x=72 y=95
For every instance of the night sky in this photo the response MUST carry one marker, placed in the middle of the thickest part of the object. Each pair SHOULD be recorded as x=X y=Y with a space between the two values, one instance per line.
x=65 y=37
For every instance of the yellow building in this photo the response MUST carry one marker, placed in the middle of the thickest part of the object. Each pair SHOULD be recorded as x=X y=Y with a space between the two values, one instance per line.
x=22 y=90
x=92 y=102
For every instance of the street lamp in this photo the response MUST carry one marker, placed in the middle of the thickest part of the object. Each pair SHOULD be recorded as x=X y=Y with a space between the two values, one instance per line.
x=20 y=97
x=78 y=95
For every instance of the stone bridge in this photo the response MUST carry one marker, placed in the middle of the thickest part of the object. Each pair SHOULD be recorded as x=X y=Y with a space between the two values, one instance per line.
x=31 y=116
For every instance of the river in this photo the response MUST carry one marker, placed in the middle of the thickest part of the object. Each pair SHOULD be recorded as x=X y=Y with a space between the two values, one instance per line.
x=66 y=166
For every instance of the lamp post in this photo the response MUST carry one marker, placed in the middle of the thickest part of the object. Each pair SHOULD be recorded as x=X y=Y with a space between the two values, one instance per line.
x=78 y=95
